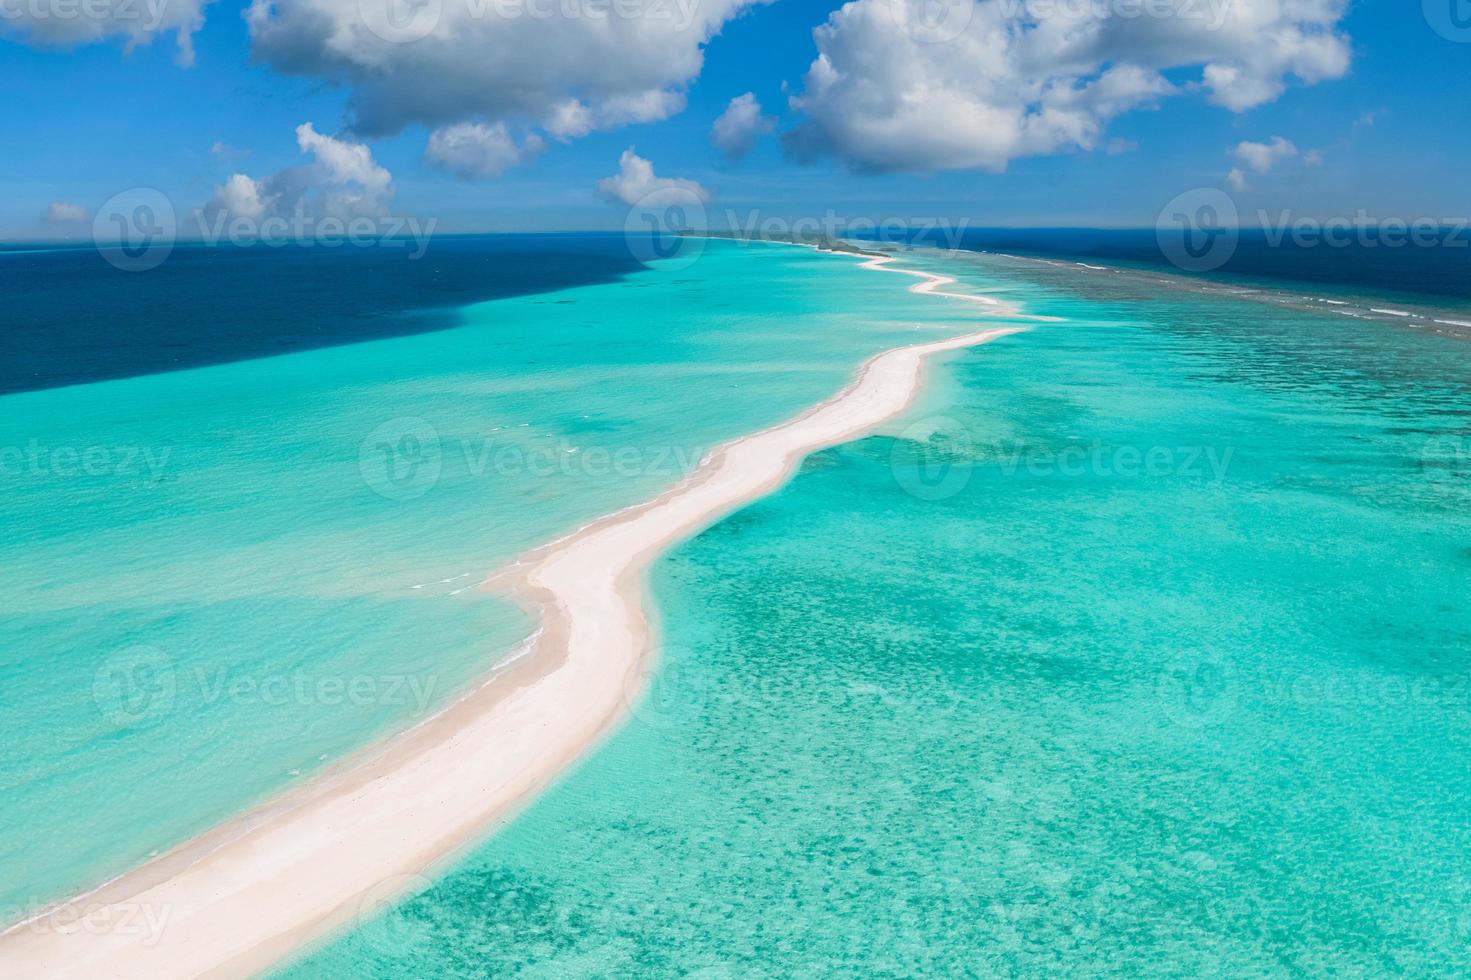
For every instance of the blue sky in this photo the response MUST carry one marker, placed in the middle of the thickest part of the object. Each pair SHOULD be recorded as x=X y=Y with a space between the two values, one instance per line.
x=1385 y=132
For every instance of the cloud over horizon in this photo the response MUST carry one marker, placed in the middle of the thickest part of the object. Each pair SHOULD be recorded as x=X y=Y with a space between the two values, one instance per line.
x=1262 y=158
x=342 y=181
x=64 y=213
x=636 y=182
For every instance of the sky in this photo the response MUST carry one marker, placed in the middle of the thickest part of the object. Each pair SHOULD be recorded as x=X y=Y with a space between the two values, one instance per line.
x=504 y=115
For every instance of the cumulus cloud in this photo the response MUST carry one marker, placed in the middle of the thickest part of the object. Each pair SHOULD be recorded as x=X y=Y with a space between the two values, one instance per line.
x=477 y=150
x=62 y=213
x=584 y=67
x=224 y=151
x=739 y=127
x=342 y=181
x=635 y=182
x=57 y=24
x=1262 y=158
x=1003 y=81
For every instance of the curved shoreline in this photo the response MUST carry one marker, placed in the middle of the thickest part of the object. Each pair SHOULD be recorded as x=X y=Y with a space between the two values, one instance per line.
x=250 y=893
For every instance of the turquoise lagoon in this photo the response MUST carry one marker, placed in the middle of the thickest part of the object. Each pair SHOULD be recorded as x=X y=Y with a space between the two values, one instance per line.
x=218 y=580
x=1138 y=647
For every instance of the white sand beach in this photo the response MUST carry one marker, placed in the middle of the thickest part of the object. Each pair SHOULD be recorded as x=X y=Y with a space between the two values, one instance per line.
x=248 y=894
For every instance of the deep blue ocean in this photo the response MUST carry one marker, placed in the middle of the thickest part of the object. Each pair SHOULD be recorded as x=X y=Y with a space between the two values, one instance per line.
x=69 y=317
x=1373 y=262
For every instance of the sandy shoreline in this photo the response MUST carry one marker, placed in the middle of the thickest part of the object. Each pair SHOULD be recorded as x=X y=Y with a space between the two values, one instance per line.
x=239 y=899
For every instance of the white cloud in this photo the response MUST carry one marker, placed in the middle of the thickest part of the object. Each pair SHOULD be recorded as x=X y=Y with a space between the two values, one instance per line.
x=224 y=151
x=342 y=181
x=635 y=182
x=477 y=150
x=570 y=67
x=241 y=196
x=1260 y=158
x=568 y=120
x=885 y=93
x=1263 y=158
x=66 y=24
x=739 y=127
x=62 y=213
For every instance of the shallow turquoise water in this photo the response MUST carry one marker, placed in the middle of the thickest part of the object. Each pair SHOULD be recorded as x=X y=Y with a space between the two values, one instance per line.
x=1139 y=647
x=218 y=580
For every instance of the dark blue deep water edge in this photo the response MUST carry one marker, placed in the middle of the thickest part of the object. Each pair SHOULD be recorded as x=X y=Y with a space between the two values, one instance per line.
x=70 y=317
x=1376 y=261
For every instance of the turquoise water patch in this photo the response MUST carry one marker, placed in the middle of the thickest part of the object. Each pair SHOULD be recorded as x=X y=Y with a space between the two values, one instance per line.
x=1140 y=646
x=217 y=581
